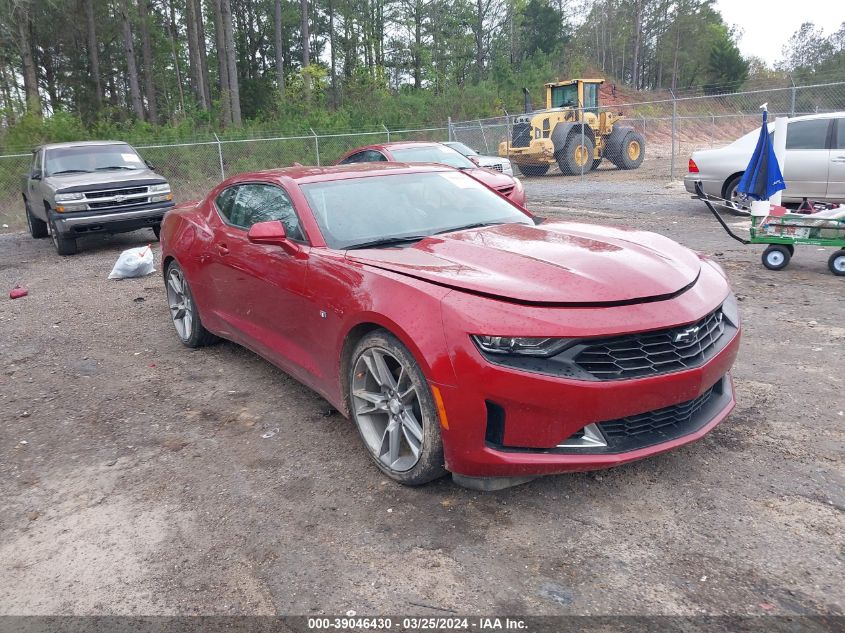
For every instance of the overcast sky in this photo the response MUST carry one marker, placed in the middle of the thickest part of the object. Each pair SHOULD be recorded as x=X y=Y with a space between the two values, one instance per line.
x=767 y=24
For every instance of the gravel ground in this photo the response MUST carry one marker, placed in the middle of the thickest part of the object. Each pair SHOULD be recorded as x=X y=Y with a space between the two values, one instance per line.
x=135 y=479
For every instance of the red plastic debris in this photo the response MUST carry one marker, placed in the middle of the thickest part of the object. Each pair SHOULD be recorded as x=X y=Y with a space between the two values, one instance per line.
x=17 y=292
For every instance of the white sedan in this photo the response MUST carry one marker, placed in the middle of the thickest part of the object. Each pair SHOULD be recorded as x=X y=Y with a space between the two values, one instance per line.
x=814 y=167
x=490 y=162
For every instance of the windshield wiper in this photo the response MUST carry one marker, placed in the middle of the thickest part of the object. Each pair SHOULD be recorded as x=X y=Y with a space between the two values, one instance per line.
x=387 y=241
x=115 y=167
x=466 y=227
x=71 y=171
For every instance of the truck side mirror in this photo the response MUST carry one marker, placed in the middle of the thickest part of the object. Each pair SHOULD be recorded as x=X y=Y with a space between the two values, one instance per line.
x=35 y=174
x=149 y=165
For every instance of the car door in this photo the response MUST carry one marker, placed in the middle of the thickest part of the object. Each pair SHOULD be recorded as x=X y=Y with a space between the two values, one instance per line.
x=34 y=194
x=807 y=160
x=836 y=173
x=261 y=290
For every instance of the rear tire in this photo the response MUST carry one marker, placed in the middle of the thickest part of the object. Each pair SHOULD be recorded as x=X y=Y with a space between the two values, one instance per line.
x=577 y=157
x=393 y=408
x=64 y=245
x=37 y=227
x=776 y=257
x=533 y=170
x=836 y=263
x=183 y=310
x=157 y=231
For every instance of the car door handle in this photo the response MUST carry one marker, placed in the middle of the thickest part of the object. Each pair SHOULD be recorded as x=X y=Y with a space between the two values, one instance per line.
x=222 y=249
x=839 y=159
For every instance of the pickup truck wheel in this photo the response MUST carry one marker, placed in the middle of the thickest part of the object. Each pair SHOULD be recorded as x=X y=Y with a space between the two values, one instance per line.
x=157 y=230
x=37 y=227
x=183 y=310
x=64 y=245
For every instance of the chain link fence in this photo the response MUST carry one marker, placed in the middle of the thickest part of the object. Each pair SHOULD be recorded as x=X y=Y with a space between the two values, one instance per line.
x=670 y=130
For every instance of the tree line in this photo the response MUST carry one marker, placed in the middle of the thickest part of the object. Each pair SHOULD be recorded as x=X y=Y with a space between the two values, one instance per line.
x=220 y=63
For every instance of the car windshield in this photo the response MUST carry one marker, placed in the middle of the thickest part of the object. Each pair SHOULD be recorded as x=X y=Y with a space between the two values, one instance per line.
x=377 y=210
x=463 y=149
x=89 y=158
x=432 y=154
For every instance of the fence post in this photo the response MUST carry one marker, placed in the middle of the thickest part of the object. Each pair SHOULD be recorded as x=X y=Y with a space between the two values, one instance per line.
x=449 y=125
x=674 y=119
x=483 y=137
x=794 y=90
x=316 y=144
x=220 y=156
x=386 y=130
x=590 y=158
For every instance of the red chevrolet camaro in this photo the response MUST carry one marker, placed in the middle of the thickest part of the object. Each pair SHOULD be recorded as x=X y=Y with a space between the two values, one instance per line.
x=430 y=152
x=457 y=331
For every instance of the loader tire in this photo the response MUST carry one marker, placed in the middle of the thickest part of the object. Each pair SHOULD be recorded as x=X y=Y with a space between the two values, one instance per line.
x=577 y=156
x=625 y=148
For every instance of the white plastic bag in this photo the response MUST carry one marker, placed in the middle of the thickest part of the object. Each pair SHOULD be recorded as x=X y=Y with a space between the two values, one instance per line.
x=134 y=262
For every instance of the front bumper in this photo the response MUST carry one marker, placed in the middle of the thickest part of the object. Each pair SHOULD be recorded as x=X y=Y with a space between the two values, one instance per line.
x=505 y=421
x=85 y=222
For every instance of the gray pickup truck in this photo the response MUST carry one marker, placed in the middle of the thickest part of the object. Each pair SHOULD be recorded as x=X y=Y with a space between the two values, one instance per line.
x=76 y=189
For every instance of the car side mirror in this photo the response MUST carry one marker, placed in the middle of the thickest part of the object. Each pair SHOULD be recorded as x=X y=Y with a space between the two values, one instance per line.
x=35 y=175
x=149 y=165
x=272 y=233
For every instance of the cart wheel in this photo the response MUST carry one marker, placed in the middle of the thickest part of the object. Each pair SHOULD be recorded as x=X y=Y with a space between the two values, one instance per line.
x=776 y=257
x=836 y=263
x=791 y=249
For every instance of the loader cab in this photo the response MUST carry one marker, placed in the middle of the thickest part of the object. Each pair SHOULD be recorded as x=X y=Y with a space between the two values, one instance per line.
x=577 y=93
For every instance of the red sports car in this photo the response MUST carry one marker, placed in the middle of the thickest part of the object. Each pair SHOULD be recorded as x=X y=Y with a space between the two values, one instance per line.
x=428 y=152
x=457 y=331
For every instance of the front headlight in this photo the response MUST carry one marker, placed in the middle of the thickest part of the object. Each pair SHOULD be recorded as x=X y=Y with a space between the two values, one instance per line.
x=518 y=184
x=67 y=197
x=161 y=188
x=520 y=345
x=730 y=309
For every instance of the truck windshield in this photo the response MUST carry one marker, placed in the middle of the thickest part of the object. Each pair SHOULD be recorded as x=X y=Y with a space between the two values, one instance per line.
x=565 y=96
x=90 y=158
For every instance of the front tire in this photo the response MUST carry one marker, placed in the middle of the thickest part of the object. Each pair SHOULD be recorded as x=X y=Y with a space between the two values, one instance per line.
x=391 y=403
x=37 y=227
x=183 y=310
x=64 y=245
x=776 y=257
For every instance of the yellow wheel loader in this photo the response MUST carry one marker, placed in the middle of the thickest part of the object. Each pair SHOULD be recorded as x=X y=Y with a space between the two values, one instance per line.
x=571 y=131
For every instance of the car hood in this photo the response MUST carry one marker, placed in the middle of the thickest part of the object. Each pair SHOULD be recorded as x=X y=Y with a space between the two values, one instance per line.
x=554 y=263
x=103 y=179
x=494 y=179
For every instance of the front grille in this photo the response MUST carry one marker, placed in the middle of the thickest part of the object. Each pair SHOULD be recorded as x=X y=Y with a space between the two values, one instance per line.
x=657 y=422
x=651 y=353
x=115 y=192
x=114 y=203
x=496 y=166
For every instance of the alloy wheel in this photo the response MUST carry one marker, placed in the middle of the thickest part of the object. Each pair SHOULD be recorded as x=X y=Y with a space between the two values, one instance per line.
x=181 y=306
x=386 y=407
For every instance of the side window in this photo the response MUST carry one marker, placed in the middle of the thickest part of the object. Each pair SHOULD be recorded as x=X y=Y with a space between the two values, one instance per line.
x=249 y=204
x=224 y=201
x=840 y=134
x=810 y=134
x=36 y=160
x=357 y=157
x=374 y=156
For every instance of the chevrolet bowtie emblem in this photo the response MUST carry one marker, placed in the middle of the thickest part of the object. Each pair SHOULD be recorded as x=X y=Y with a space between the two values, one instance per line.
x=686 y=335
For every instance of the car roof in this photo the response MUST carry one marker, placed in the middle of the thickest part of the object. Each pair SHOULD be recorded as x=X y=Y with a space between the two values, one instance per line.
x=302 y=174
x=396 y=145
x=819 y=115
x=78 y=144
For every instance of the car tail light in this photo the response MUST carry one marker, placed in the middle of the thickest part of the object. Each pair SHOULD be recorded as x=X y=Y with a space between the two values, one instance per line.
x=693 y=168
